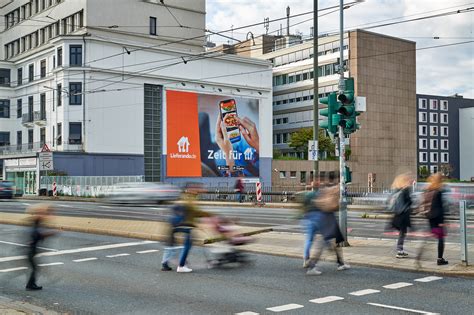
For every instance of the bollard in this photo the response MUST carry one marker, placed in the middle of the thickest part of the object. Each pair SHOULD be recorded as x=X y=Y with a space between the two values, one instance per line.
x=463 y=231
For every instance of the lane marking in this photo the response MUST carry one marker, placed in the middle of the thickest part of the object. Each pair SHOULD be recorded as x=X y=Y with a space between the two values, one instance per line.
x=85 y=259
x=51 y=264
x=65 y=206
x=285 y=307
x=326 y=299
x=403 y=309
x=80 y=250
x=25 y=204
x=247 y=313
x=364 y=292
x=24 y=245
x=148 y=251
x=428 y=279
x=105 y=207
x=13 y=269
x=157 y=208
x=397 y=285
x=117 y=255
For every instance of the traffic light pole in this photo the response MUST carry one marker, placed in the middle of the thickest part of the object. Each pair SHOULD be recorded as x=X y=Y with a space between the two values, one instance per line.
x=342 y=144
x=315 y=90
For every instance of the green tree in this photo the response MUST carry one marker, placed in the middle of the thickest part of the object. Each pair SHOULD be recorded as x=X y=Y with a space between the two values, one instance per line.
x=299 y=141
x=423 y=172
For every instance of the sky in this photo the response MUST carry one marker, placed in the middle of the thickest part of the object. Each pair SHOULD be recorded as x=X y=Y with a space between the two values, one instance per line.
x=440 y=71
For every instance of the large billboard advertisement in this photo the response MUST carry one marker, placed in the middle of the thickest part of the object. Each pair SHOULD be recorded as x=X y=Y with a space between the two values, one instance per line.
x=211 y=135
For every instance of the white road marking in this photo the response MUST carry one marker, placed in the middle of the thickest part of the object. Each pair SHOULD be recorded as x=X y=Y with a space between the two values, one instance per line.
x=13 y=269
x=285 y=307
x=147 y=251
x=397 y=285
x=80 y=250
x=25 y=245
x=428 y=279
x=65 y=206
x=247 y=313
x=327 y=299
x=157 y=208
x=105 y=207
x=85 y=259
x=403 y=309
x=25 y=204
x=364 y=292
x=51 y=264
x=117 y=255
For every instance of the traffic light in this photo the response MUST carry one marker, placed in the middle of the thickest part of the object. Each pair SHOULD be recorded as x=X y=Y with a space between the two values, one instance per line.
x=348 y=120
x=347 y=174
x=330 y=112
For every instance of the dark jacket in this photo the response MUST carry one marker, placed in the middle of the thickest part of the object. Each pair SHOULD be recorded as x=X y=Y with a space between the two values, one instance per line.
x=438 y=210
x=330 y=228
x=402 y=221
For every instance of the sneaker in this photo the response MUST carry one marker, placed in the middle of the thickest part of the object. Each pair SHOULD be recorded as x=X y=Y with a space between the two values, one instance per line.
x=183 y=269
x=306 y=263
x=442 y=261
x=33 y=287
x=313 y=272
x=343 y=267
x=166 y=267
x=401 y=254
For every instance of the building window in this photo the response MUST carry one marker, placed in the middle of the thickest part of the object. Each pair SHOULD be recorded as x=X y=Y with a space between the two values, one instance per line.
x=303 y=177
x=422 y=130
x=422 y=143
x=60 y=56
x=19 y=108
x=434 y=157
x=434 y=104
x=75 y=55
x=282 y=174
x=43 y=68
x=152 y=25
x=434 y=144
x=60 y=94
x=444 y=105
x=444 y=144
x=19 y=139
x=4 y=138
x=75 y=93
x=444 y=131
x=42 y=136
x=423 y=157
x=31 y=72
x=444 y=157
x=444 y=118
x=5 y=77
x=433 y=117
x=292 y=174
x=43 y=106
x=4 y=108
x=423 y=117
x=19 y=79
x=75 y=133
x=30 y=139
x=59 y=139
x=433 y=131
x=434 y=169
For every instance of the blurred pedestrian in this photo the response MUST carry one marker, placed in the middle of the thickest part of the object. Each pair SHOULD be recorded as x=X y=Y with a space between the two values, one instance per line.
x=400 y=204
x=239 y=189
x=327 y=201
x=433 y=207
x=310 y=221
x=40 y=214
x=182 y=221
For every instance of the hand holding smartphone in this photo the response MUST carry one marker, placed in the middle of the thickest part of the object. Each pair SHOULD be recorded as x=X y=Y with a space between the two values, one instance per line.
x=228 y=112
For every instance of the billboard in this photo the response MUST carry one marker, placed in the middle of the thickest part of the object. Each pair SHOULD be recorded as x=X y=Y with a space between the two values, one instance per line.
x=211 y=135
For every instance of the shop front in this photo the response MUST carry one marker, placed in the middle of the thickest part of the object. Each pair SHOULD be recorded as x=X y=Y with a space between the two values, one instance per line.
x=23 y=173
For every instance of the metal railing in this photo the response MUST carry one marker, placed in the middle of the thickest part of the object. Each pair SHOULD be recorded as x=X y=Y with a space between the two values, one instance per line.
x=27 y=118
x=39 y=115
x=28 y=148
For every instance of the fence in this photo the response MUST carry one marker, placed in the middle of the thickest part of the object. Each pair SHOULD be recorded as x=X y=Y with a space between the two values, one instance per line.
x=85 y=186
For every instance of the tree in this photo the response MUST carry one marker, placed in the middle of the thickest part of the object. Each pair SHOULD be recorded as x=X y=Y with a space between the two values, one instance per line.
x=423 y=171
x=446 y=169
x=299 y=141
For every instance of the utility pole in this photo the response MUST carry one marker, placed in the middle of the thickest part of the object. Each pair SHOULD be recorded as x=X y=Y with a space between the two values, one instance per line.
x=315 y=89
x=342 y=162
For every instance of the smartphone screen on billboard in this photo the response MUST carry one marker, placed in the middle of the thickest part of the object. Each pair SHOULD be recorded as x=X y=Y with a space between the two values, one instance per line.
x=228 y=110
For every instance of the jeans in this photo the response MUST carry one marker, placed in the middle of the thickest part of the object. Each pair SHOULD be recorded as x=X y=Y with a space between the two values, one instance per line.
x=401 y=239
x=170 y=251
x=33 y=265
x=311 y=225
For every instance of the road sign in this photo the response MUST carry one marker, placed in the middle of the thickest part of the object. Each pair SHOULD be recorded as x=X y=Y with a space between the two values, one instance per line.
x=46 y=161
x=312 y=150
x=45 y=148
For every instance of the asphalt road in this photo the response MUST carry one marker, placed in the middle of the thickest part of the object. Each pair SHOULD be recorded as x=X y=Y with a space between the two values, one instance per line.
x=280 y=219
x=90 y=274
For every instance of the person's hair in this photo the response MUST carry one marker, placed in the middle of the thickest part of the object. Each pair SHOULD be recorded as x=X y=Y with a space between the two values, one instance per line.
x=435 y=181
x=401 y=181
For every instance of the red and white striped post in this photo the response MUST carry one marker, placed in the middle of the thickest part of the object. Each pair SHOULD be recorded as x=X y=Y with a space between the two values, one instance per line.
x=55 y=191
x=258 y=192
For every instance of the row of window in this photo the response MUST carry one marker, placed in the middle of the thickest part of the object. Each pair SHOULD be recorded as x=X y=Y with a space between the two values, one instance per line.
x=434 y=157
x=280 y=138
x=434 y=144
x=423 y=117
x=308 y=74
x=433 y=168
x=434 y=131
x=308 y=53
x=75 y=135
x=280 y=121
x=27 y=10
x=43 y=35
x=434 y=105
x=304 y=95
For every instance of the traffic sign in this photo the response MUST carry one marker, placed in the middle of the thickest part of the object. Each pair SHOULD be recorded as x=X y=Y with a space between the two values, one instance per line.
x=45 y=148
x=312 y=150
x=46 y=161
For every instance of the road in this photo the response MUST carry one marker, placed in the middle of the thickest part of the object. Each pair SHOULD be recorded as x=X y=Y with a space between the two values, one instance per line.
x=280 y=219
x=110 y=275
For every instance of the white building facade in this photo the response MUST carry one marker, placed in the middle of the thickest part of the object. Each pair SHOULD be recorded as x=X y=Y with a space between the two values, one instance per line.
x=92 y=84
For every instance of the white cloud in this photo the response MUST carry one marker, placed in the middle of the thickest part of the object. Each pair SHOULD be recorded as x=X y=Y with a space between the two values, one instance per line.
x=443 y=71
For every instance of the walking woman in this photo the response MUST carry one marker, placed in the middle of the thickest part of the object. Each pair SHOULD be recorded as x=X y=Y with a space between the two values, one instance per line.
x=401 y=204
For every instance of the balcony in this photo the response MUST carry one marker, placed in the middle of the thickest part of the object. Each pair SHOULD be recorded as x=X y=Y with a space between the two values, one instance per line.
x=40 y=118
x=27 y=119
x=28 y=149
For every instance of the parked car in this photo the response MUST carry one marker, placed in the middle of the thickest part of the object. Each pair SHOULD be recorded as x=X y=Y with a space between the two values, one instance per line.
x=143 y=192
x=7 y=189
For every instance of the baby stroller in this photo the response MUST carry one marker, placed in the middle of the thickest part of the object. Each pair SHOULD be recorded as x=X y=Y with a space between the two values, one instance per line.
x=226 y=251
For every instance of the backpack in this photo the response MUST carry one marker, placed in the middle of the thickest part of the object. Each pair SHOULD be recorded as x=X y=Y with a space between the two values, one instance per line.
x=178 y=215
x=328 y=199
x=396 y=203
x=426 y=203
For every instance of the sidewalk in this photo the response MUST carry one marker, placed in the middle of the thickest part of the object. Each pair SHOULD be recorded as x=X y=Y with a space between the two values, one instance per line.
x=11 y=307
x=368 y=252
